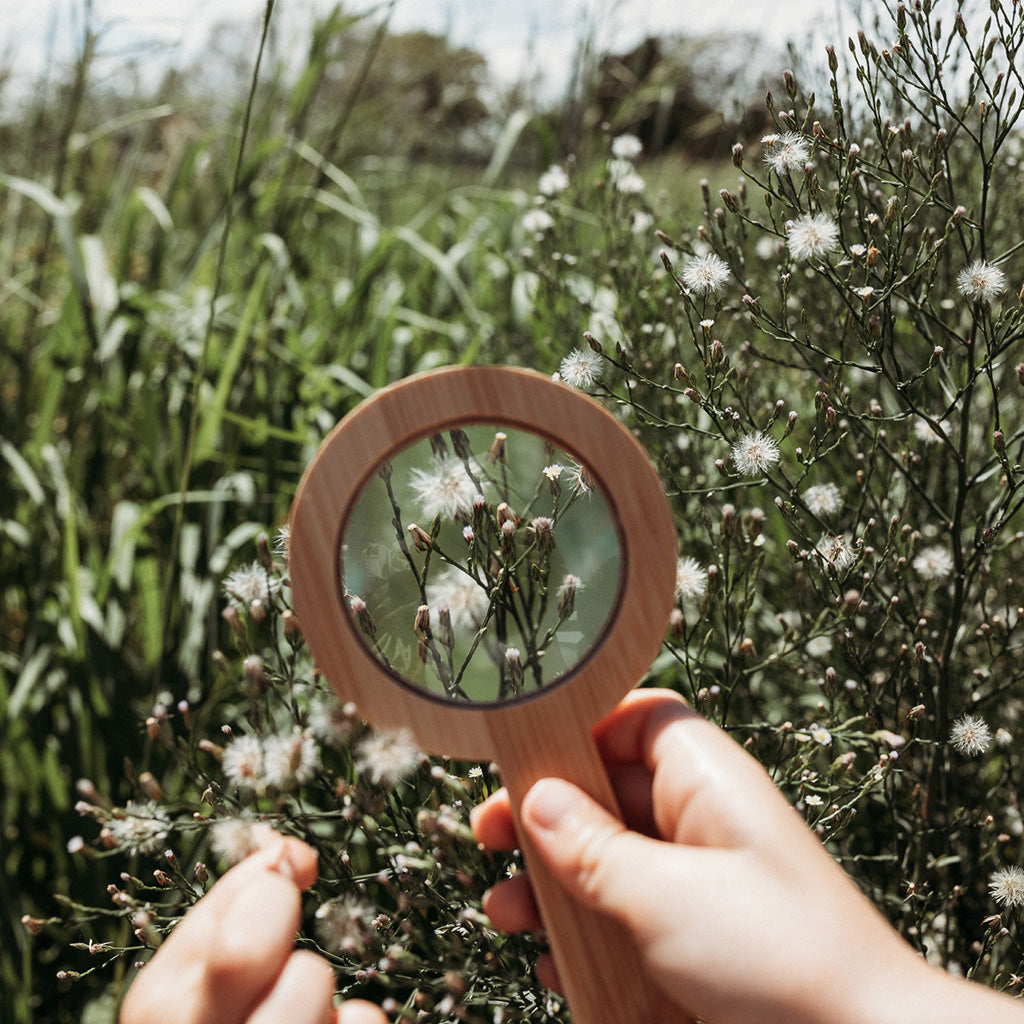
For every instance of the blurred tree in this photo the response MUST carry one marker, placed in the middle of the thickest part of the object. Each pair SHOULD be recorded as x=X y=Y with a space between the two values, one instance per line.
x=699 y=93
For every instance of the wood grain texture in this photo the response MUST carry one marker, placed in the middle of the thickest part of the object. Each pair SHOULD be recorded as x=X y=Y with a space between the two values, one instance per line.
x=547 y=732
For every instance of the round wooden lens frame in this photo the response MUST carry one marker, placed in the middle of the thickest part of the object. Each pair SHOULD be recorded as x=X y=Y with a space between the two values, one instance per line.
x=506 y=397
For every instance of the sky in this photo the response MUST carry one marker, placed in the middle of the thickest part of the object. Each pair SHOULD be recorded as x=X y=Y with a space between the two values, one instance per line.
x=518 y=37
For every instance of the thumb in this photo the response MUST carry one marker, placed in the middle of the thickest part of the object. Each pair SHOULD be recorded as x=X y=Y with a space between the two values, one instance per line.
x=595 y=857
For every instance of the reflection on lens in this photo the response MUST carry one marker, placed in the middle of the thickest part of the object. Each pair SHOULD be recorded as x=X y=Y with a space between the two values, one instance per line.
x=480 y=564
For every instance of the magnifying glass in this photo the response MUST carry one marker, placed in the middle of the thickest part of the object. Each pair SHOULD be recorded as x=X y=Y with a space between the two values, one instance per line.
x=485 y=557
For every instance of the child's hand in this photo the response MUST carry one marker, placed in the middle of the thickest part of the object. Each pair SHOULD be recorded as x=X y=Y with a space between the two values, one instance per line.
x=232 y=959
x=739 y=914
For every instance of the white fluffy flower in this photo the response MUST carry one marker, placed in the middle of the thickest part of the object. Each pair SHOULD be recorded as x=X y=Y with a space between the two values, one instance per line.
x=820 y=734
x=823 y=499
x=812 y=236
x=140 y=829
x=332 y=721
x=466 y=600
x=981 y=282
x=786 y=152
x=630 y=184
x=927 y=434
x=934 y=563
x=705 y=275
x=691 y=579
x=344 y=924
x=243 y=762
x=1006 y=886
x=553 y=181
x=250 y=584
x=289 y=760
x=536 y=222
x=626 y=147
x=446 y=489
x=970 y=735
x=234 y=839
x=581 y=368
x=385 y=759
x=835 y=549
x=755 y=453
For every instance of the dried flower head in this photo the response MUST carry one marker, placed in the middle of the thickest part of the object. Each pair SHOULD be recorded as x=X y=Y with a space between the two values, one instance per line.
x=934 y=563
x=581 y=368
x=811 y=236
x=140 y=829
x=1006 y=886
x=927 y=434
x=250 y=584
x=553 y=181
x=705 y=275
x=786 y=152
x=626 y=147
x=836 y=550
x=755 y=453
x=466 y=600
x=234 y=839
x=344 y=924
x=446 y=489
x=970 y=735
x=386 y=759
x=981 y=282
x=823 y=499
x=243 y=762
x=331 y=721
x=536 y=222
x=691 y=579
x=282 y=541
x=289 y=760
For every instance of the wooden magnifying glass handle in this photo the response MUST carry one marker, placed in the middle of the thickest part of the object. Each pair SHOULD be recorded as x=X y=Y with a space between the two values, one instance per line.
x=598 y=965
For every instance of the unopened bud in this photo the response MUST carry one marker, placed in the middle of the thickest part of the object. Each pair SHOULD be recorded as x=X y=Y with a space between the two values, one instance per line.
x=362 y=615
x=152 y=788
x=421 y=623
x=292 y=626
x=420 y=537
x=498 y=450
x=514 y=666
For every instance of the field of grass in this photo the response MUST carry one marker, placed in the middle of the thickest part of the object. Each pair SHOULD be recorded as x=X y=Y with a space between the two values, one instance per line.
x=191 y=298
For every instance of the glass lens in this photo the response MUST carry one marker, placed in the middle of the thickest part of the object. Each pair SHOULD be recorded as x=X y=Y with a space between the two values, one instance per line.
x=480 y=564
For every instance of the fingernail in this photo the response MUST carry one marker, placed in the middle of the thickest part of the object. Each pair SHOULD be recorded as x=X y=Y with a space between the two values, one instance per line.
x=549 y=802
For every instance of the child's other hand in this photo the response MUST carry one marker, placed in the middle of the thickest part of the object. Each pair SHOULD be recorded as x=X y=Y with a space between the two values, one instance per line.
x=232 y=959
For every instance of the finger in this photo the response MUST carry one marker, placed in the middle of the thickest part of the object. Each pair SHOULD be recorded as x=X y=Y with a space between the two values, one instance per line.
x=595 y=857
x=358 y=1011
x=491 y=822
x=547 y=973
x=302 y=994
x=706 y=789
x=286 y=857
x=510 y=905
x=223 y=956
x=622 y=735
